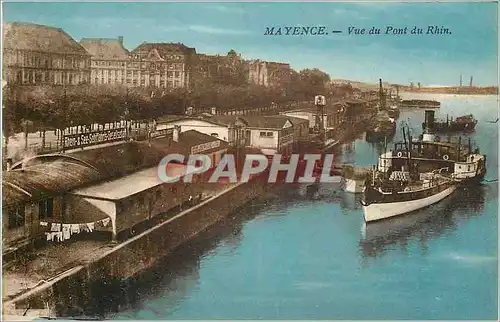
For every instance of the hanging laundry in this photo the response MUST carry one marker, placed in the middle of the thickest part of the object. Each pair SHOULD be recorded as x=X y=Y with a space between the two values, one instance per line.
x=66 y=231
x=105 y=222
x=83 y=227
x=75 y=229
x=43 y=223
x=90 y=226
x=55 y=227
x=49 y=236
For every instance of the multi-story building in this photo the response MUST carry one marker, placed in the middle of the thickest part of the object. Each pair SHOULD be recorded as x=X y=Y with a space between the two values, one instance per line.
x=36 y=54
x=109 y=60
x=229 y=70
x=268 y=73
x=164 y=65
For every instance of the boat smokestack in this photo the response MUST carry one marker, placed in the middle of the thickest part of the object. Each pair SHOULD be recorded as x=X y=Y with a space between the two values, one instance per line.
x=428 y=135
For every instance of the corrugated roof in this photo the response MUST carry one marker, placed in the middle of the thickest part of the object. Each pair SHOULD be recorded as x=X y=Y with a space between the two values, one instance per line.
x=29 y=36
x=105 y=48
x=45 y=179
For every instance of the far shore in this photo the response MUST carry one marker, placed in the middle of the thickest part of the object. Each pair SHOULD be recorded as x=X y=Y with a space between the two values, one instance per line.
x=453 y=90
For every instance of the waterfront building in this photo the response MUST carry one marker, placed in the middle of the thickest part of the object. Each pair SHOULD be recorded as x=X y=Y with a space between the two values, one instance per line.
x=331 y=116
x=42 y=55
x=109 y=60
x=118 y=184
x=230 y=129
x=268 y=73
x=271 y=133
x=163 y=65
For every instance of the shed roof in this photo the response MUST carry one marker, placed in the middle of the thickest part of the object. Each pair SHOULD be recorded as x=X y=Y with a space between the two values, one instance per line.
x=45 y=179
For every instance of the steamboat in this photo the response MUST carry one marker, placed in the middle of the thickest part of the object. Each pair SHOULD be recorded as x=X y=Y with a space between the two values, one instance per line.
x=403 y=191
x=465 y=123
x=468 y=165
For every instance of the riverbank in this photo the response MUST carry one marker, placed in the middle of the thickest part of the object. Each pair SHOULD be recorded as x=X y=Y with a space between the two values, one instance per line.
x=454 y=90
x=96 y=269
x=64 y=280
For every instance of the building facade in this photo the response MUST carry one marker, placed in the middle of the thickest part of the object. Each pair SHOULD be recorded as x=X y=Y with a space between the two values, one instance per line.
x=42 y=55
x=163 y=65
x=109 y=60
x=268 y=73
x=217 y=69
x=270 y=133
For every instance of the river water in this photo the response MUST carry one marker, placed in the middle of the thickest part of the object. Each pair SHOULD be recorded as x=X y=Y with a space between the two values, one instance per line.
x=290 y=256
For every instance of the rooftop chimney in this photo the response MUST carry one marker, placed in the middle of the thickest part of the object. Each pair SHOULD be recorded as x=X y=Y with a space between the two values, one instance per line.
x=120 y=40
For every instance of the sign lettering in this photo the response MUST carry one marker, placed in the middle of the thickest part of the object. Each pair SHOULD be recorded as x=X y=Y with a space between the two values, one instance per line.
x=204 y=147
x=86 y=139
x=162 y=133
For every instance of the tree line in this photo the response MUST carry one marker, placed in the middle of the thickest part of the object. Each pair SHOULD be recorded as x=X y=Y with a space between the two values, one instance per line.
x=41 y=108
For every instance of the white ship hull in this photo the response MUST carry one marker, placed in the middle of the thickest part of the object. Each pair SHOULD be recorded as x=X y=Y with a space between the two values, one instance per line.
x=377 y=211
x=354 y=186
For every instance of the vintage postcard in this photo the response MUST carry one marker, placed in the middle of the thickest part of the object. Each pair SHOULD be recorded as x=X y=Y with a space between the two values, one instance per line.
x=250 y=160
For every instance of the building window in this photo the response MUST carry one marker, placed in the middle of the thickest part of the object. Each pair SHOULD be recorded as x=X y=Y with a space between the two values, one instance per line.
x=170 y=74
x=46 y=208
x=266 y=134
x=177 y=74
x=214 y=135
x=16 y=217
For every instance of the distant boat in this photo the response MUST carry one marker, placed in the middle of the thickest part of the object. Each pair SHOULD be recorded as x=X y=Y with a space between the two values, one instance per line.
x=496 y=121
x=466 y=123
x=420 y=103
x=382 y=127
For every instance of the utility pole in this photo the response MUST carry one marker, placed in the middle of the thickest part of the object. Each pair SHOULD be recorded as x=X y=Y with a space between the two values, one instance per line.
x=460 y=80
x=470 y=85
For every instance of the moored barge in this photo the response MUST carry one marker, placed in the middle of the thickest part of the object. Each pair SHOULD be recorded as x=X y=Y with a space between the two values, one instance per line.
x=420 y=104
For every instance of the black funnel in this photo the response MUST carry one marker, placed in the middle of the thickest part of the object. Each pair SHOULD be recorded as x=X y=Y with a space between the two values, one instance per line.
x=429 y=120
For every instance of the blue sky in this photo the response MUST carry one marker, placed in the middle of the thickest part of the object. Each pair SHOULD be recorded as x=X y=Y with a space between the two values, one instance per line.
x=212 y=28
